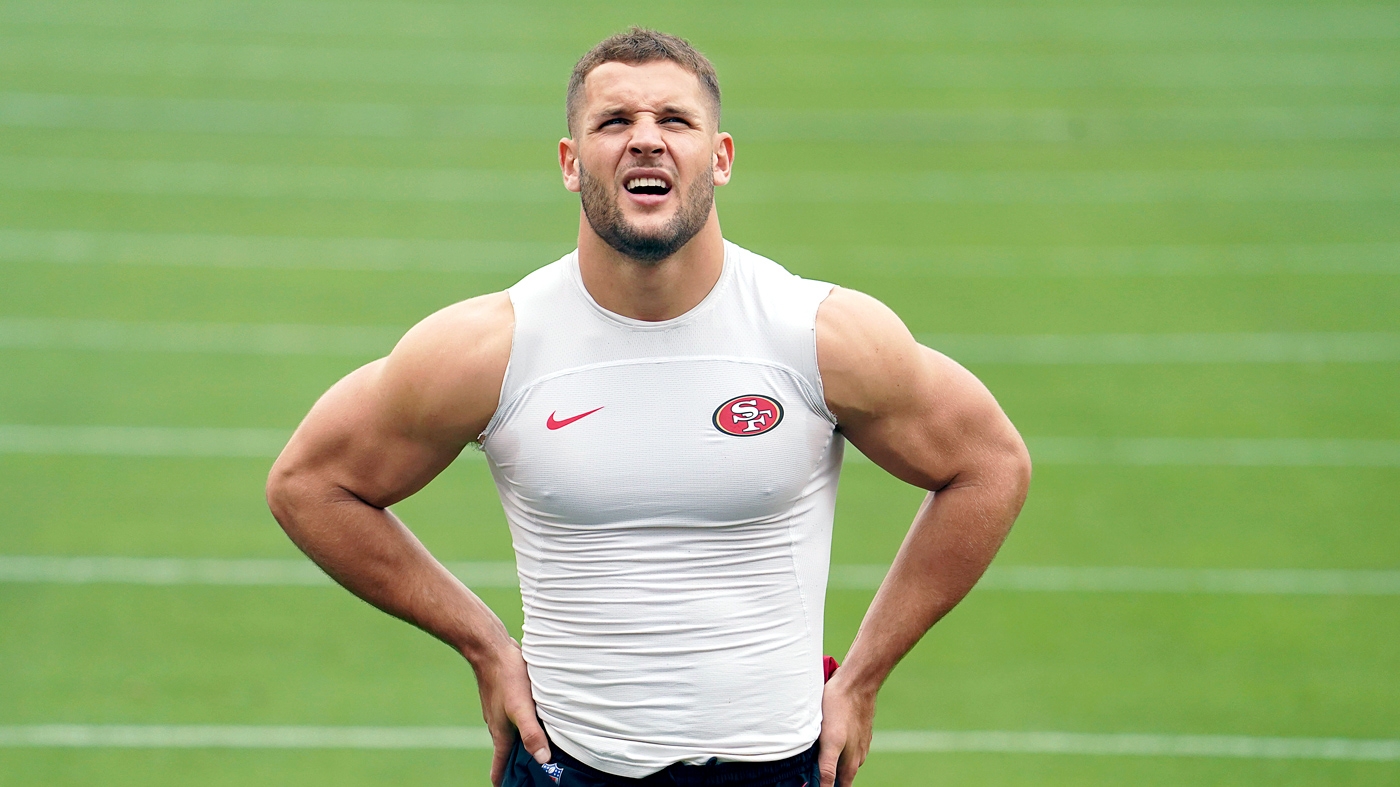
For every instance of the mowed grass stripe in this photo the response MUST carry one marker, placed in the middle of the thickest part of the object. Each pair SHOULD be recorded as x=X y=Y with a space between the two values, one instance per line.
x=144 y=441
x=351 y=254
x=1165 y=348
x=273 y=339
x=1003 y=742
x=321 y=119
x=218 y=179
x=516 y=67
x=1206 y=451
x=1046 y=187
x=1157 y=124
x=278 y=572
x=157 y=441
x=241 y=116
x=499 y=23
x=88 y=247
x=283 y=63
x=234 y=338
x=246 y=442
x=1239 y=259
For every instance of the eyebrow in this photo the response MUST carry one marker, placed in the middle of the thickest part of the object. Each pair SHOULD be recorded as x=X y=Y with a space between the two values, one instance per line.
x=668 y=110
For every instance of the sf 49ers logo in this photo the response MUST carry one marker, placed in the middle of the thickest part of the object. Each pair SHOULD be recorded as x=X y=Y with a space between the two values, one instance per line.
x=745 y=416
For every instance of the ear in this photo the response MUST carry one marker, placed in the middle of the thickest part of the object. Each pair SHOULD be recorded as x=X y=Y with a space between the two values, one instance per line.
x=723 y=158
x=568 y=164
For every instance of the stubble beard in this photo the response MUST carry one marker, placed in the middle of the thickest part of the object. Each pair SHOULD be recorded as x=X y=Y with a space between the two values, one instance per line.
x=606 y=218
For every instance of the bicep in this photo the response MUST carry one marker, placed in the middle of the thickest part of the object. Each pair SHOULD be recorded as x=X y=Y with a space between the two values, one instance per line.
x=388 y=428
x=942 y=425
x=359 y=439
x=913 y=411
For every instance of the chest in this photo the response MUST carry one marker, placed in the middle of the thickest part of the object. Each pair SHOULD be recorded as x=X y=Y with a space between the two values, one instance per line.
x=701 y=441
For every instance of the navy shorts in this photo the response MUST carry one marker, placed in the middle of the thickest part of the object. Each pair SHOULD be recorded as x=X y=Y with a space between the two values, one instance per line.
x=799 y=770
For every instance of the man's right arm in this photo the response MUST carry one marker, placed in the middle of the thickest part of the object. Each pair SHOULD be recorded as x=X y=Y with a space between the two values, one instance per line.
x=376 y=437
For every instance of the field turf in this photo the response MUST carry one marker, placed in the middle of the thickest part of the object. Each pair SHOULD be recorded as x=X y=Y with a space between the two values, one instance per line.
x=1066 y=169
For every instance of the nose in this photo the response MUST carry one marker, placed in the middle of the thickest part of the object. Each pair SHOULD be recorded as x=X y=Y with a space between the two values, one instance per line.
x=646 y=139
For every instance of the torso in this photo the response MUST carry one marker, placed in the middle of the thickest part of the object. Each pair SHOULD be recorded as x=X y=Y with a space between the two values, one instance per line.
x=670 y=489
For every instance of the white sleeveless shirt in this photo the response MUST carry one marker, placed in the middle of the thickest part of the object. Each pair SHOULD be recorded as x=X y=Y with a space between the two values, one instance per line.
x=670 y=488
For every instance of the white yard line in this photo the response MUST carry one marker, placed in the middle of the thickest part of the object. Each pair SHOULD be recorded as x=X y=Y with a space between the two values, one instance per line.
x=892 y=741
x=261 y=181
x=1129 y=744
x=85 y=247
x=210 y=571
x=501 y=574
x=271 y=339
x=158 y=736
x=241 y=116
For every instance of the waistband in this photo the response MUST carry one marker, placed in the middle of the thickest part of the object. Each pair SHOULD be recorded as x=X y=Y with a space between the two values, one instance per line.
x=712 y=772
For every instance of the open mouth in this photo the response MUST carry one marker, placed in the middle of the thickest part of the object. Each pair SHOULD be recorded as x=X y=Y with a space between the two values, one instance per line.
x=655 y=186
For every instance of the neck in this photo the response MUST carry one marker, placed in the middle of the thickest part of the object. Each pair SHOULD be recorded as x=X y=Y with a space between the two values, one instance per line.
x=656 y=292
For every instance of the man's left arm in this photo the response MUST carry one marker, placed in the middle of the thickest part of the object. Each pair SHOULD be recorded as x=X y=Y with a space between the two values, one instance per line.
x=931 y=423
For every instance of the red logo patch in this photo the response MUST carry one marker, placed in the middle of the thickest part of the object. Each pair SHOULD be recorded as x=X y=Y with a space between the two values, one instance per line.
x=745 y=416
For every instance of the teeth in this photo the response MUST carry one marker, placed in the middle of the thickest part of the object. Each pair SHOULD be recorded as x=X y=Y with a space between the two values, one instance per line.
x=638 y=183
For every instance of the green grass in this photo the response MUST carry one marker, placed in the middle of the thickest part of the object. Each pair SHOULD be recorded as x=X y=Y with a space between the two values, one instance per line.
x=797 y=78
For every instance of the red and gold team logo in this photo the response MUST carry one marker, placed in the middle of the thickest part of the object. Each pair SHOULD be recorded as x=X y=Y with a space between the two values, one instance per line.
x=745 y=416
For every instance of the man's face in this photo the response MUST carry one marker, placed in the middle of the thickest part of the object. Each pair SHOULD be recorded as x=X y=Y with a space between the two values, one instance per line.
x=646 y=157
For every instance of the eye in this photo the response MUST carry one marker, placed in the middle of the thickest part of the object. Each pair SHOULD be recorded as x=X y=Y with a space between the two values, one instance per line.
x=680 y=121
x=612 y=121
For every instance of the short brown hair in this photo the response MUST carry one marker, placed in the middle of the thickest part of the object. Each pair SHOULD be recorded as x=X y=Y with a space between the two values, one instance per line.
x=634 y=47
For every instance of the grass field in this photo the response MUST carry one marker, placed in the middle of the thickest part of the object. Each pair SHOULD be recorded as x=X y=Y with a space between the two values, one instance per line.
x=1167 y=236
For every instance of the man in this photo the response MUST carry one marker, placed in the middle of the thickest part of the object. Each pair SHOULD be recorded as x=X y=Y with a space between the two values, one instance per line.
x=664 y=415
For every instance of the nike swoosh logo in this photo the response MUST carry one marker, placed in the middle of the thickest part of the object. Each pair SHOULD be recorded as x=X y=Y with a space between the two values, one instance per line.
x=553 y=424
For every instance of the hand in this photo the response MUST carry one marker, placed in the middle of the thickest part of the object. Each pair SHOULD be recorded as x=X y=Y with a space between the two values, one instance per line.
x=509 y=708
x=848 y=718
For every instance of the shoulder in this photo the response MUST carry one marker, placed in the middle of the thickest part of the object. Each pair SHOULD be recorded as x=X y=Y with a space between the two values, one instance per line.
x=445 y=374
x=542 y=288
x=473 y=319
x=864 y=351
x=783 y=297
x=858 y=322
x=765 y=272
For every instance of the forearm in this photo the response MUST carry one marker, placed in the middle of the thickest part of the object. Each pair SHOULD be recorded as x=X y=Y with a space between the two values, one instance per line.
x=953 y=539
x=373 y=555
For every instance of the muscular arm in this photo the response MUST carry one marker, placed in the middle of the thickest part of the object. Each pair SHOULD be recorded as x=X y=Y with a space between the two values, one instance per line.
x=376 y=437
x=929 y=422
